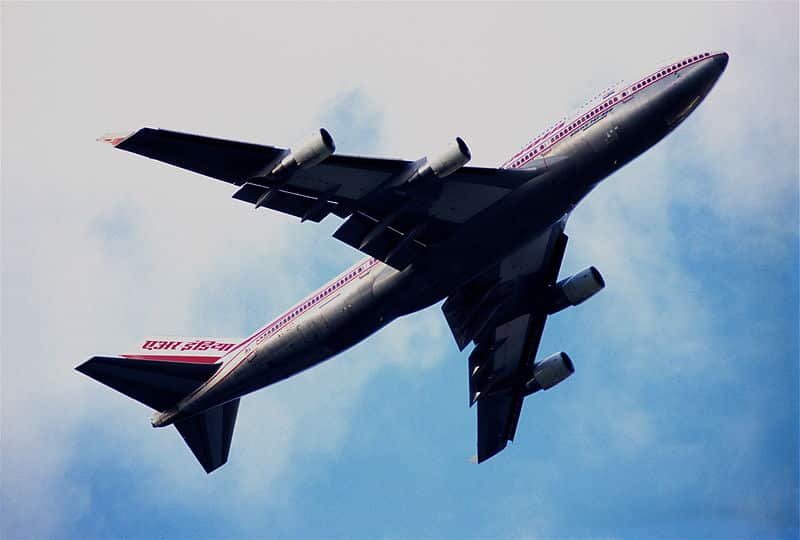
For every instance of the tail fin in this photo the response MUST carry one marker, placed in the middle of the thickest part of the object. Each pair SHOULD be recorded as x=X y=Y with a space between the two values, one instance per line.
x=209 y=434
x=160 y=385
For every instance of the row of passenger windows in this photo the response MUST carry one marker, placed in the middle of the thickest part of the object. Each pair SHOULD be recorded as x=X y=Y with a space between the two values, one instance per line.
x=594 y=112
x=668 y=70
x=316 y=298
x=605 y=106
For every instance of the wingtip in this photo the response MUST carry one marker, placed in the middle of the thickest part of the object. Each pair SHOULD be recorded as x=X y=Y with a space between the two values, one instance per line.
x=114 y=139
x=84 y=367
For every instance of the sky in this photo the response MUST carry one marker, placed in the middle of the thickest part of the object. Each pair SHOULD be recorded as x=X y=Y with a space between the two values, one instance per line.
x=681 y=420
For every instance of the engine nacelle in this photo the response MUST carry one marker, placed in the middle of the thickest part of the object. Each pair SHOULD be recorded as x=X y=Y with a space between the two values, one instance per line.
x=313 y=150
x=549 y=372
x=577 y=289
x=447 y=162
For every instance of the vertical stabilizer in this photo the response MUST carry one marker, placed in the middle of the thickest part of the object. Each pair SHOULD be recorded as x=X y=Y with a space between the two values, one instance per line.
x=209 y=434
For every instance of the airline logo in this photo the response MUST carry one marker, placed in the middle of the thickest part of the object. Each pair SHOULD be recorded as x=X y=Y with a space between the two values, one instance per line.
x=202 y=344
x=177 y=349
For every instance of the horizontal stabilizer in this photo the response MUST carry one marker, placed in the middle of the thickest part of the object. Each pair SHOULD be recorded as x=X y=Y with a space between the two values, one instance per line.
x=157 y=384
x=209 y=434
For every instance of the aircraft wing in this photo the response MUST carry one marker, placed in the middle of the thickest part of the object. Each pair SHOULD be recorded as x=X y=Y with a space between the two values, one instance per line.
x=387 y=217
x=503 y=312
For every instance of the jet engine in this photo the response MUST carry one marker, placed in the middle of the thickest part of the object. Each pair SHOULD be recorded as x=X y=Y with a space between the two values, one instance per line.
x=576 y=289
x=549 y=372
x=455 y=156
x=312 y=151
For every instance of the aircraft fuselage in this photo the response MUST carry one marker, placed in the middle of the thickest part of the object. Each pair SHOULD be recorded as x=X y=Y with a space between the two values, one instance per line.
x=573 y=157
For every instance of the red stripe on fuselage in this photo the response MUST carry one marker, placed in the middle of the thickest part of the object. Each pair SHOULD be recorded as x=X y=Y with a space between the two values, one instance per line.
x=187 y=359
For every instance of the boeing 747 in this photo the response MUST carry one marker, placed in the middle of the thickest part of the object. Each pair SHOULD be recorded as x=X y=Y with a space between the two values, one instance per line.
x=488 y=241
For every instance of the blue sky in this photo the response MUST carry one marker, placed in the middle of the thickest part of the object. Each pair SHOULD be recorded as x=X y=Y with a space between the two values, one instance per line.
x=682 y=418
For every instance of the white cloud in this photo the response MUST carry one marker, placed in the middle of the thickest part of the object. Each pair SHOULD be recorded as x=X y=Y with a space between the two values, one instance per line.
x=100 y=247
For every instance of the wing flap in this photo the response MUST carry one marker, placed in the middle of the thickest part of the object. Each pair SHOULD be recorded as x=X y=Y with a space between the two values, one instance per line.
x=302 y=206
x=499 y=367
x=382 y=241
x=497 y=421
x=513 y=287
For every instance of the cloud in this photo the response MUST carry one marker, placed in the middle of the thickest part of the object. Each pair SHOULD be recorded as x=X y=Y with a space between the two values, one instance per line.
x=139 y=261
x=101 y=247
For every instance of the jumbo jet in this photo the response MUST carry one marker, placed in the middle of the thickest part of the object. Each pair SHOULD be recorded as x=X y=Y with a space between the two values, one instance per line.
x=488 y=241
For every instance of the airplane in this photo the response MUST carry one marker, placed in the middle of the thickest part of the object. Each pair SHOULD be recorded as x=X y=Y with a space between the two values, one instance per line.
x=488 y=241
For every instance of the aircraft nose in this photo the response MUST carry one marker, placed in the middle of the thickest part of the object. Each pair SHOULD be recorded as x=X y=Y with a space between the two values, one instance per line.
x=706 y=72
x=692 y=86
x=718 y=64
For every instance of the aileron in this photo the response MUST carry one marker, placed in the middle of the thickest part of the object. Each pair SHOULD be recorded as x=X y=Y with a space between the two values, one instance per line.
x=229 y=161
